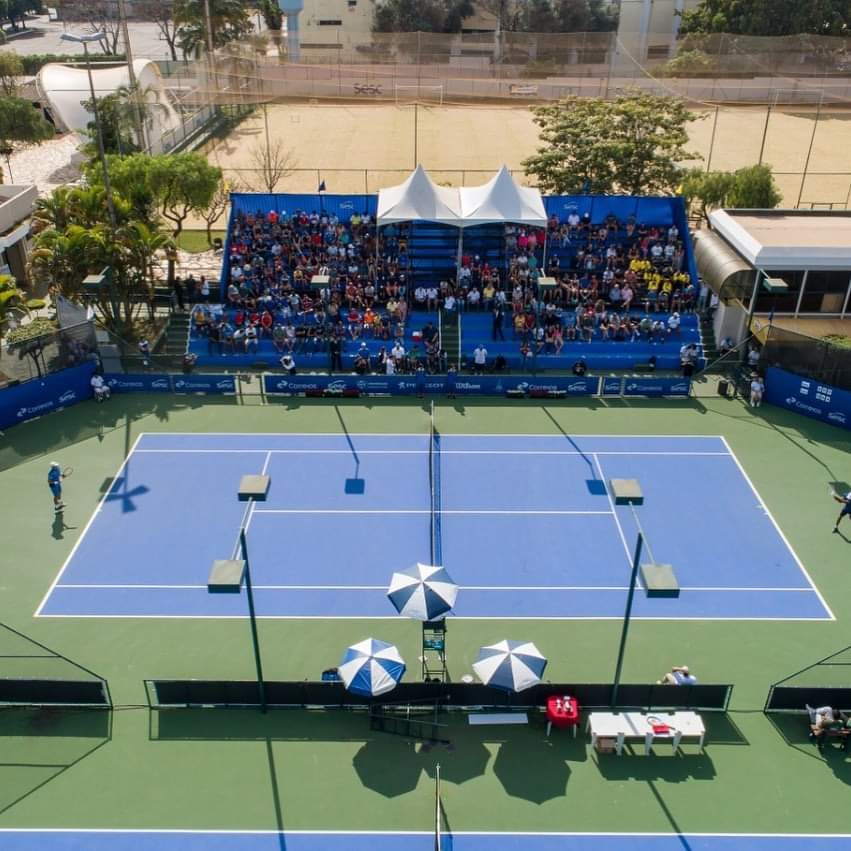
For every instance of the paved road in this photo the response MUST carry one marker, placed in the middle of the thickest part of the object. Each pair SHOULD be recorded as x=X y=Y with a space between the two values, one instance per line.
x=43 y=36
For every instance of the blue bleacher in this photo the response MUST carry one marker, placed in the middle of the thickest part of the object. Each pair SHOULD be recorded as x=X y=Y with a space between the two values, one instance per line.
x=599 y=354
x=308 y=359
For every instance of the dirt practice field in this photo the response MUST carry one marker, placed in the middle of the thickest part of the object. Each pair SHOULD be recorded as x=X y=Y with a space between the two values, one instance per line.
x=361 y=148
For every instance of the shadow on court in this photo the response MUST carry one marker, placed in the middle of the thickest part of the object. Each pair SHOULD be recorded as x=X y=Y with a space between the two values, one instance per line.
x=795 y=732
x=38 y=745
x=55 y=432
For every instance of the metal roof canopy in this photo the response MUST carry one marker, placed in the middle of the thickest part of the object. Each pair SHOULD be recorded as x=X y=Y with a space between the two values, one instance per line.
x=728 y=275
x=787 y=239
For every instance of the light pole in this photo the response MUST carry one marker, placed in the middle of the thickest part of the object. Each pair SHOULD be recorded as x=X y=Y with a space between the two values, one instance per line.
x=85 y=40
x=227 y=576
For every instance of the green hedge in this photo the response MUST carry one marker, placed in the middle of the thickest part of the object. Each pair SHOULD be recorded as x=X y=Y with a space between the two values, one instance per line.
x=36 y=61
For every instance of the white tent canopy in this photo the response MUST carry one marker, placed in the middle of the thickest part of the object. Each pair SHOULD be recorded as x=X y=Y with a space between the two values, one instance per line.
x=501 y=199
x=419 y=199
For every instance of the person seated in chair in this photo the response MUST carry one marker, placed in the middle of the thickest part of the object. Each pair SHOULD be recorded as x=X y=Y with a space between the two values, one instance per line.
x=580 y=368
x=679 y=675
x=827 y=718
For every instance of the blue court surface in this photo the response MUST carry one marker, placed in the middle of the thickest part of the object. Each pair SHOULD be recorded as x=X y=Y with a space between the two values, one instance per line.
x=83 y=840
x=526 y=526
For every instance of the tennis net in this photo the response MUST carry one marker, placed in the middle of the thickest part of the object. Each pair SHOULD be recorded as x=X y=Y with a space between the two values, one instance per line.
x=434 y=487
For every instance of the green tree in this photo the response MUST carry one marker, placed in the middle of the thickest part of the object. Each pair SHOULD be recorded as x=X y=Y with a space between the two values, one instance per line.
x=705 y=191
x=631 y=145
x=13 y=302
x=77 y=239
x=443 y=16
x=229 y=20
x=11 y=69
x=116 y=125
x=272 y=14
x=768 y=17
x=169 y=186
x=539 y=17
x=20 y=121
x=750 y=188
x=182 y=184
x=754 y=189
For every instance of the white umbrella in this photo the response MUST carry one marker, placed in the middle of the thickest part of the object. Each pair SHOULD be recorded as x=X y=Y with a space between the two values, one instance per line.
x=371 y=667
x=425 y=592
x=510 y=665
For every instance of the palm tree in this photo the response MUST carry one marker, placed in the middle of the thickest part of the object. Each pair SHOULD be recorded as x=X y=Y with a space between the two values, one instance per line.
x=52 y=211
x=14 y=302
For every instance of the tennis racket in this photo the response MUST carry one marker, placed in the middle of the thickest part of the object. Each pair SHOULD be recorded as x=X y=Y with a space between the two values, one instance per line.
x=67 y=471
x=834 y=494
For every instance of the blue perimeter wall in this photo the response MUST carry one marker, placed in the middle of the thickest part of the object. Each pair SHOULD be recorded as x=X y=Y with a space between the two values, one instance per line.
x=663 y=211
x=41 y=396
x=66 y=388
x=808 y=397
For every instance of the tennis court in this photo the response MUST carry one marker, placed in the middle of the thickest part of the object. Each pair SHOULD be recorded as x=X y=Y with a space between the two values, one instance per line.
x=526 y=524
x=61 y=840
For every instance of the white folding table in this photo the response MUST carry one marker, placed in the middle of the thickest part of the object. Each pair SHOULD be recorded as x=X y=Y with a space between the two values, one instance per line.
x=638 y=727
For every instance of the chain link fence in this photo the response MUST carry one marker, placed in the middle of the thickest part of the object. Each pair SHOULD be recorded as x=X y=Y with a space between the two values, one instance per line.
x=53 y=352
x=820 y=359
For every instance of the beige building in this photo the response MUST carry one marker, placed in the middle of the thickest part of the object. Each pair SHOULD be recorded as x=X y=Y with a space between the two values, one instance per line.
x=16 y=206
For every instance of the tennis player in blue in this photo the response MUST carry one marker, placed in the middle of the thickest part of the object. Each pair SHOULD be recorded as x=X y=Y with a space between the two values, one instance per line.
x=846 y=508
x=54 y=482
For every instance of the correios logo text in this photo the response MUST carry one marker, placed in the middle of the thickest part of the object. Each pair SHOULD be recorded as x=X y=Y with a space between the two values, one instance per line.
x=35 y=409
x=802 y=406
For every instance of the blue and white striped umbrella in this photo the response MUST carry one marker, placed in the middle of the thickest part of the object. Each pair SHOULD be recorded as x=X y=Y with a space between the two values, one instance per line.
x=510 y=665
x=424 y=592
x=371 y=667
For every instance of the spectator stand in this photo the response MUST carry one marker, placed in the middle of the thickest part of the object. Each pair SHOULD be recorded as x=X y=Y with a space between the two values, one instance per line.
x=826 y=682
x=425 y=244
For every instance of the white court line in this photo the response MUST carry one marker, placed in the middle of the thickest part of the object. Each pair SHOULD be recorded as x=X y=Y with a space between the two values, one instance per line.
x=249 y=511
x=415 y=511
x=476 y=435
x=158 y=587
x=419 y=452
x=819 y=837
x=530 y=618
x=86 y=528
x=612 y=507
x=779 y=530
x=237 y=832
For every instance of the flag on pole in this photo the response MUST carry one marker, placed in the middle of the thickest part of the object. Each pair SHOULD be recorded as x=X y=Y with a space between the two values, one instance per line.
x=321 y=186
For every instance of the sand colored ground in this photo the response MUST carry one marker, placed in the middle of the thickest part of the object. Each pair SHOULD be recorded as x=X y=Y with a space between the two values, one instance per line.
x=361 y=148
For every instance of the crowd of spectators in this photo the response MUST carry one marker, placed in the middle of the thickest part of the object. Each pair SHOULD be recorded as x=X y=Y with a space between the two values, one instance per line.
x=361 y=293
x=618 y=281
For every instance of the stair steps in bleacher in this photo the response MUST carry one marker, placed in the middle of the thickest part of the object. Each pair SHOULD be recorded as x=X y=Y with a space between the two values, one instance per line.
x=710 y=347
x=177 y=334
x=450 y=337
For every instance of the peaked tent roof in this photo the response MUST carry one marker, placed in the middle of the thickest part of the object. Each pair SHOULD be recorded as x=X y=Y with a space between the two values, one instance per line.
x=501 y=199
x=419 y=199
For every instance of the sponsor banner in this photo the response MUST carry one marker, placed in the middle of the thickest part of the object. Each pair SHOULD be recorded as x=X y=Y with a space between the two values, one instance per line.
x=611 y=386
x=808 y=397
x=463 y=385
x=656 y=386
x=41 y=396
x=202 y=383
x=121 y=383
